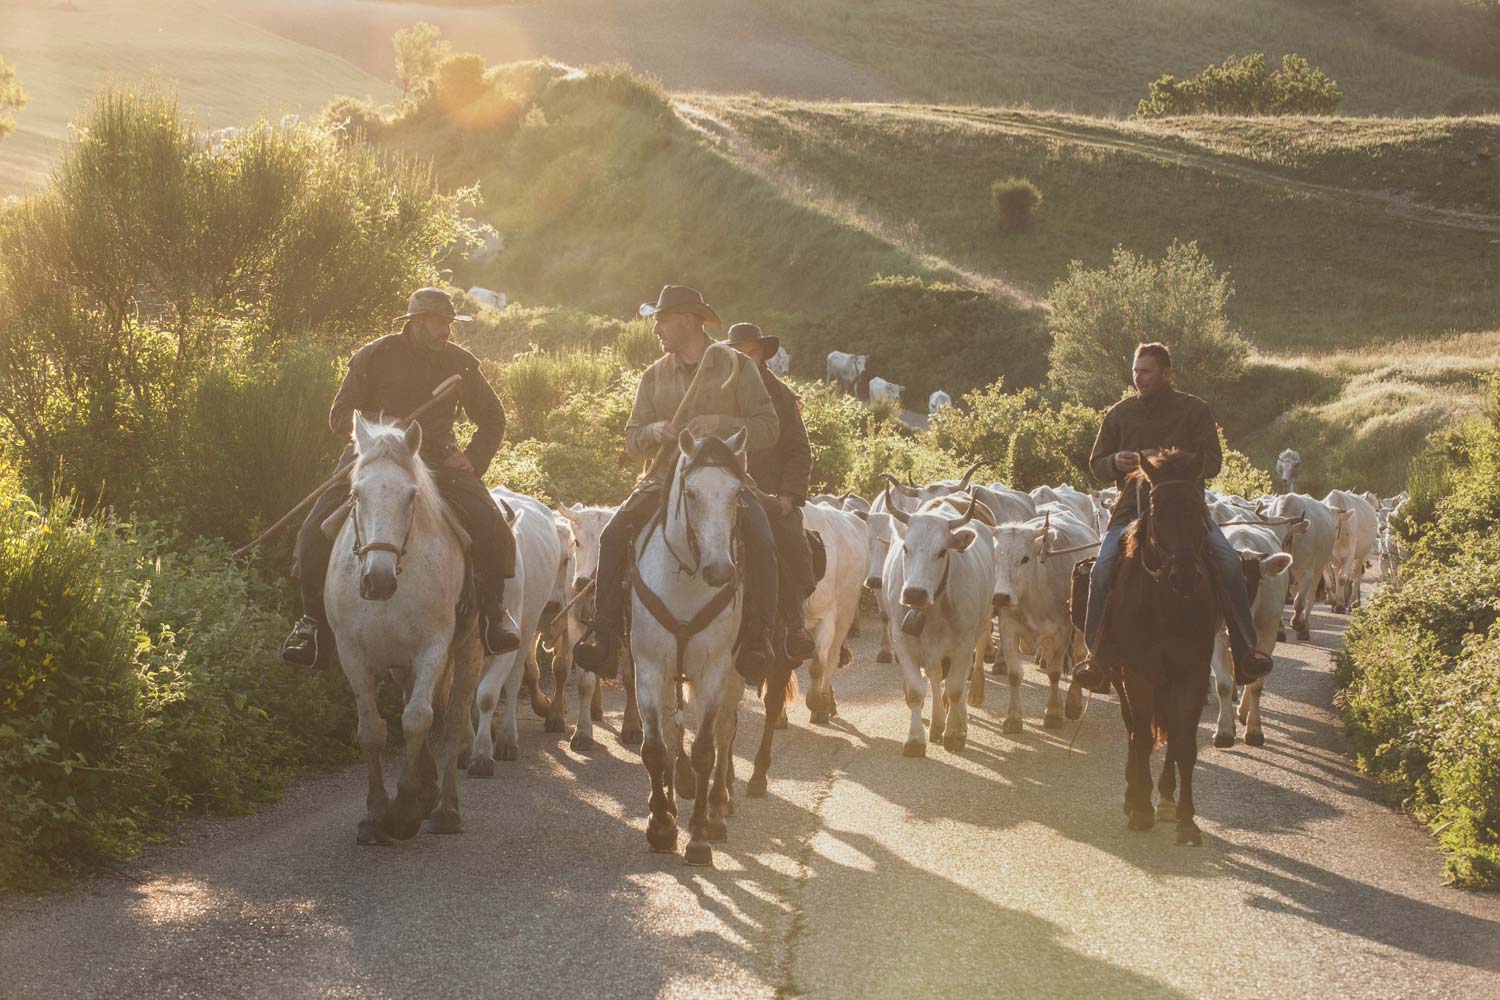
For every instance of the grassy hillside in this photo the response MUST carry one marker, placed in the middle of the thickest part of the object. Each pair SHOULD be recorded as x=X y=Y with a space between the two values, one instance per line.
x=227 y=72
x=1095 y=56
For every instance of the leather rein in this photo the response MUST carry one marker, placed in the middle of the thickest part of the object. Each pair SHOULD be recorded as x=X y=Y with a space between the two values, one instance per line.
x=361 y=547
x=1172 y=558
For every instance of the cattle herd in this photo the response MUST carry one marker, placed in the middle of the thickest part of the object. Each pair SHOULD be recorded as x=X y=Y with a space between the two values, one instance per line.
x=962 y=574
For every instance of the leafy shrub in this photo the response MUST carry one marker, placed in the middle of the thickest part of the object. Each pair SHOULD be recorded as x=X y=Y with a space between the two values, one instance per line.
x=420 y=49
x=981 y=425
x=11 y=97
x=1244 y=86
x=531 y=389
x=637 y=346
x=1051 y=447
x=1015 y=201
x=833 y=422
x=1099 y=316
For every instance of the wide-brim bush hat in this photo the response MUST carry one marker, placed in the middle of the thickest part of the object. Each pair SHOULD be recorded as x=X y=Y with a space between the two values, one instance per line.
x=749 y=333
x=678 y=299
x=431 y=302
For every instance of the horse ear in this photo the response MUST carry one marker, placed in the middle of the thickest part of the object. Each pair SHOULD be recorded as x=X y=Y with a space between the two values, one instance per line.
x=414 y=437
x=737 y=440
x=362 y=438
x=685 y=442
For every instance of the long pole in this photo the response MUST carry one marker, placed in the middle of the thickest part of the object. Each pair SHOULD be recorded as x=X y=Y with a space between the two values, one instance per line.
x=438 y=394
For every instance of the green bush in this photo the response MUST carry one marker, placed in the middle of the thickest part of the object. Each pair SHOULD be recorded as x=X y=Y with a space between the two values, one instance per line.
x=1421 y=670
x=1051 y=447
x=1240 y=476
x=1099 y=316
x=1244 y=86
x=833 y=422
x=1015 y=201
x=531 y=388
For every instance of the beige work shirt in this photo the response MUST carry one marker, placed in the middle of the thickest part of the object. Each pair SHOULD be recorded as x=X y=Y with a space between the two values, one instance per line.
x=743 y=403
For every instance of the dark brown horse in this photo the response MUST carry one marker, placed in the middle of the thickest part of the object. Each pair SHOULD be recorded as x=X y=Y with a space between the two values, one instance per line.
x=1159 y=627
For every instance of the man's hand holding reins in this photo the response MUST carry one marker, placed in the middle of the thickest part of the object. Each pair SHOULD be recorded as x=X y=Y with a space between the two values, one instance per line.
x=1127 y=461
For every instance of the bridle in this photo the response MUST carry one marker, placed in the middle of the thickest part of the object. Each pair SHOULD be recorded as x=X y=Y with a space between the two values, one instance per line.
x=361 y=547
x=1172 y=558
x=685 y=513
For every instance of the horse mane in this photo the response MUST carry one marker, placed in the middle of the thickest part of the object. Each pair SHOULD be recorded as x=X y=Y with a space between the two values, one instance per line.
x=1168 y=465
x=388 y=442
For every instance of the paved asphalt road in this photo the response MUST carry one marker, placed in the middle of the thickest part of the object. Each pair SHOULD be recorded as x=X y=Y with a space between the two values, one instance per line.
x=1004 y=871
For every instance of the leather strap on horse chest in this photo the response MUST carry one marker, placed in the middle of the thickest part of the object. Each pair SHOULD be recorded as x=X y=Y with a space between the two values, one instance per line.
x=682 y=631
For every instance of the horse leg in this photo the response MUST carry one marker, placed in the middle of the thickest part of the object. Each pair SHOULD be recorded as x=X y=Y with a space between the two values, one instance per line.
x=1015 y=673
x=486 y=698
x=1138 y=761
x=776 y=688
x=467 y=663
x=720 y=792
x=583 y=737
x=630 y=725
x=661 y=827
x=686 y=780
x=417 y=788
x=1250 y=714
x=1073 y=701
x=1223 y=673
x=372 y=732
x=1166 y=787
x=596 y=702
x=914 y=686
x=1182 y=740
x=513 y=672
x=704 y=756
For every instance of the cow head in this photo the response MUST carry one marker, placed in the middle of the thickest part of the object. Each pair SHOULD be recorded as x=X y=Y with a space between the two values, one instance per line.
x=931 y=538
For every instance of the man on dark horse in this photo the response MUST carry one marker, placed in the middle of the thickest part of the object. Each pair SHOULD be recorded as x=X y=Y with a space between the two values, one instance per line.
x=1158 y=417
x=783 y=472
x=679 y=316
x=389 y=378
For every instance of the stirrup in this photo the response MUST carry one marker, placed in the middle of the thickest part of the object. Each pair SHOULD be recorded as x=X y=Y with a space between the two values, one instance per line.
x=303 y=647
x=499 y=634
x=600 y=657
x=1087 y=675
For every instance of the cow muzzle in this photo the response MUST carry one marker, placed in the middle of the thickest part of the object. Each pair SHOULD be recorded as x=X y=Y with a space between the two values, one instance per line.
x=915 y=597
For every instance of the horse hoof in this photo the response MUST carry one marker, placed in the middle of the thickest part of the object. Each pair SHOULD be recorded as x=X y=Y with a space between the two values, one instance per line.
x=507 y=751
x=1166 y=809
x=1304 y=634
x=914 y=748
x=369 y=832
x=662 y=840
x=819 y=719
x=1189 y=837
x=716 y=833
x=596 y=712
x=445 y=821
x=883 y=657
x=756 y=787
x=699 y=855
x=463 y=759
x=480 y=767
x=1012 y=727
x=630 y=738
x=582 y=744
x=1281 y=635
x=1255 y=739
x=1223 y=740
x=554 y=724
x=1052 y=721
x=955 y=743
x=401 y=827
x=1141 y=820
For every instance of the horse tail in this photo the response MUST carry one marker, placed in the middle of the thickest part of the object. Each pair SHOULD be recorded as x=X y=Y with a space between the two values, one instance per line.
x=792 y=689
x=540 y=703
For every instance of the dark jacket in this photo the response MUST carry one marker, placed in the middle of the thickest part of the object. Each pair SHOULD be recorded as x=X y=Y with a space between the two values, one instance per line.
x=786 y=467
x=1170 y=419
x=393 y=376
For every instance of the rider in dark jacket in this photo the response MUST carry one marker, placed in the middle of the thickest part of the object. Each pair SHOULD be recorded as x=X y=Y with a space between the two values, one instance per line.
x=388 y=378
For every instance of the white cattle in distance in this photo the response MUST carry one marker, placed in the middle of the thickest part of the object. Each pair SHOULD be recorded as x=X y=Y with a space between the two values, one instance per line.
x=845 y=370
x=1352 y=546
x=1031 y=597
x=219 y=139
x=488 y=297
x=882 y=389
x=1310 y=543
x=1265 y=545
x=289 y=122
x=492 y=245
x=1288 y=468
x=834 y=603
x=780 y=363
x=946 y=567
x=937 y=401
x=1387 y=546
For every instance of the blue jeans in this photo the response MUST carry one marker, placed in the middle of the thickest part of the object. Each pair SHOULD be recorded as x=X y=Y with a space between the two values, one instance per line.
x=1239 y=618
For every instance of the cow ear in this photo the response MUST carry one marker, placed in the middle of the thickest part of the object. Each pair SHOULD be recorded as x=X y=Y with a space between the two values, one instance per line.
x=862 y=515
x=1302 y=528
x=413 y=437
x=962 y=539
x=1275 y=565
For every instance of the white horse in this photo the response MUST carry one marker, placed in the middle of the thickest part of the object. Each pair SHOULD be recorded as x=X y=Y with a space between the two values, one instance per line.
x=686 y=605
x=399 y=524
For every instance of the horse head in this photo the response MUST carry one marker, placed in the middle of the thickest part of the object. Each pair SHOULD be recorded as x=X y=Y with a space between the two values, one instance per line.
x=1176 y=516
x=385 y=484
x=711 y=472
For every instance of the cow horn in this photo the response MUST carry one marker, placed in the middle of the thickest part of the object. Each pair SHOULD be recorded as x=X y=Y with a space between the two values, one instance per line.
x=893 y=510
x=900 y=487
x=910 y=481
x=967 y=517
x=963 y=483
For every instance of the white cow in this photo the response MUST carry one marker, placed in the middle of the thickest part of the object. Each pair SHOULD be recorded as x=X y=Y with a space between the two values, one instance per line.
x=584 y=527
x=220 y=138
x=780 y=363
x=1265 y=545
x=846 y=370
x=1008 y=505
x=882 y=531
x=881 y=389
x=1387 y=546
x=1288 y=468
x=937 y=401
x=538 y=582
x=1352 y=547
x=945 y=567
x=1031 y=595
x=834 y=603
x=1310 y=543
x=488 y=297
x=1081 y=504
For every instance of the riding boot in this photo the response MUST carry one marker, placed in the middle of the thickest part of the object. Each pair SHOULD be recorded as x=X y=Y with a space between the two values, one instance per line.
x=601 y=656
x=762 y=590
x=311 y=641
x=497 y=629
x=798 y=642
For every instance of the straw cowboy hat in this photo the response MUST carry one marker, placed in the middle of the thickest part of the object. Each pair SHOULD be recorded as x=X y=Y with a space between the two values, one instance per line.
x=680 y=298
x=430 y=302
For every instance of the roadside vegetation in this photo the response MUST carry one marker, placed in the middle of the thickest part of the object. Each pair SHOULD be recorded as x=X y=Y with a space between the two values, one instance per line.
x=1421 y=674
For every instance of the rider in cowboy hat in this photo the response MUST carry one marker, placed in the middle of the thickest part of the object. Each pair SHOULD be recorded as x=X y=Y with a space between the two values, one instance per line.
x=394 y=375
x=721 y=408
x=1160 y=416
x=783 y=472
